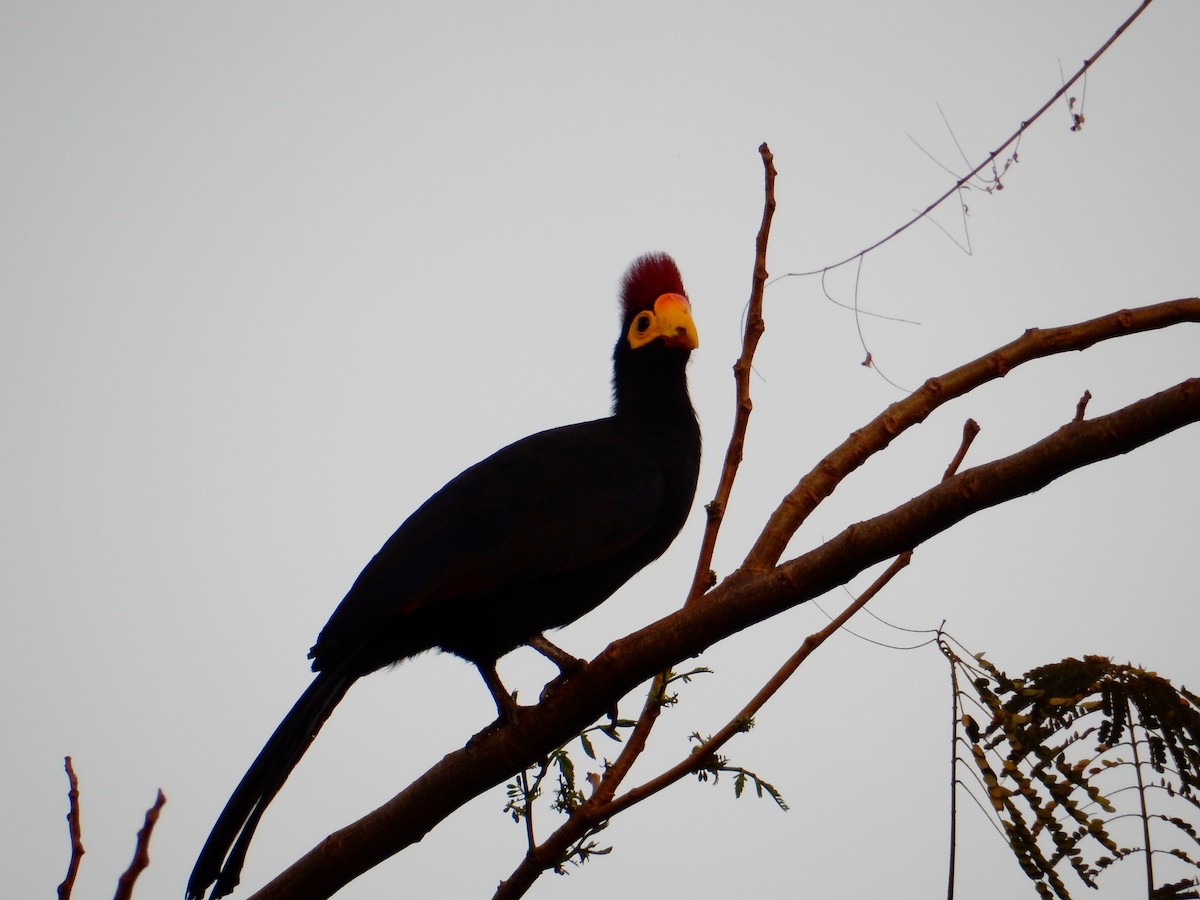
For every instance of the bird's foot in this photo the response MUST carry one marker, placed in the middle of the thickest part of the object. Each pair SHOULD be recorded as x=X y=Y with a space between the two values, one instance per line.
x=568 y=665
x=508 y=710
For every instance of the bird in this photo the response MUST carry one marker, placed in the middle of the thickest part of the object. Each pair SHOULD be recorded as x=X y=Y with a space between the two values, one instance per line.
x=530 y=539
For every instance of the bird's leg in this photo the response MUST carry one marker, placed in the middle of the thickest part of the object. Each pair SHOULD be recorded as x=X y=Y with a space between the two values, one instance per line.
x=567 y=664
x=506 y=705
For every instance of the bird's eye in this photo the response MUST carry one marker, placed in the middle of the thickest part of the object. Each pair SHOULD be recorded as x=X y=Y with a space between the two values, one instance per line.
x=642 y=323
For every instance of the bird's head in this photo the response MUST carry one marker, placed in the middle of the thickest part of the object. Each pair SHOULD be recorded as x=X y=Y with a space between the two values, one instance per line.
x=656 y=308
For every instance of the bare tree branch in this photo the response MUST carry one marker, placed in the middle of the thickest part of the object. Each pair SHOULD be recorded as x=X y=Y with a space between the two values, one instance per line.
x=758 y=591
x=141 y=853
x=76 y=832
x=915 y=408
x=991 y=158
x=762 y=587
x=704 y=577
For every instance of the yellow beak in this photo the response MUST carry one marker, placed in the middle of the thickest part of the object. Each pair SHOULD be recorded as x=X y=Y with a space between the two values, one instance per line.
x=670 y=320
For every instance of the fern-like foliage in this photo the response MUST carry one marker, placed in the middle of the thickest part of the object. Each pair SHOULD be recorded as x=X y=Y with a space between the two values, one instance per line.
x=1083 y=763
x=567 y=797
x=717 y=764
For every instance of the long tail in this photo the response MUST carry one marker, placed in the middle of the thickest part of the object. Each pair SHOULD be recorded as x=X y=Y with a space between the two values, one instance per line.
x=225 y=850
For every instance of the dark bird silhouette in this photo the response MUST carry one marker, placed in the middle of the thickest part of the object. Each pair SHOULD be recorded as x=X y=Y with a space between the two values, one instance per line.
x=529 y=539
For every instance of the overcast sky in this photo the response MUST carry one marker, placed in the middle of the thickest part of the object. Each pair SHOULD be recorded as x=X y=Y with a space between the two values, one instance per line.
x=270 y=274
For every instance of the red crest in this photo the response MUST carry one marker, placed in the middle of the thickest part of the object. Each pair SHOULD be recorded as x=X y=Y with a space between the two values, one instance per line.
x=648 y=278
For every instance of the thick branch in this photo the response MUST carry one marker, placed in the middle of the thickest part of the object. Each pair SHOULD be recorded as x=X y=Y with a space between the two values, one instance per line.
x=915 y=408
x=740 y=601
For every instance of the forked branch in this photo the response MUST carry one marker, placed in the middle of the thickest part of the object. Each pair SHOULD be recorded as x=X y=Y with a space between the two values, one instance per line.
x=877 y=434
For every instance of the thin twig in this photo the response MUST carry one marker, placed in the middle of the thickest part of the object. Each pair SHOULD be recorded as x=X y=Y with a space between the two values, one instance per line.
x=1081 y=406
x=530 y=836
x=76 y=831
x=991 y=157
x=954 y=137
x=586 y=816
x=141 y=853
x=868 y=361
x=862 y=312
x=1141 y=791
x=704 y=577
x=954 y=717
x=970 y=429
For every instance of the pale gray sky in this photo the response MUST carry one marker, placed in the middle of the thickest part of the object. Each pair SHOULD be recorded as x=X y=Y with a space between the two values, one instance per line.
x=272 y=273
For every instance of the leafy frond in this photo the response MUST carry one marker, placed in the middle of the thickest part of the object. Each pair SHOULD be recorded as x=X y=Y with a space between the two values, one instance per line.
x=716 y=765
x=1073 y=754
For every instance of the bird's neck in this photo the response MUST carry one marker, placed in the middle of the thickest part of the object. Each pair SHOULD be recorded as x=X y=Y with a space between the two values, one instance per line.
x=651 y=385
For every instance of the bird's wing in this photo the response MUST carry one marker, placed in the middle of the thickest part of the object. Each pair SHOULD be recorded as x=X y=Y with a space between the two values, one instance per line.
x=551 y=503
